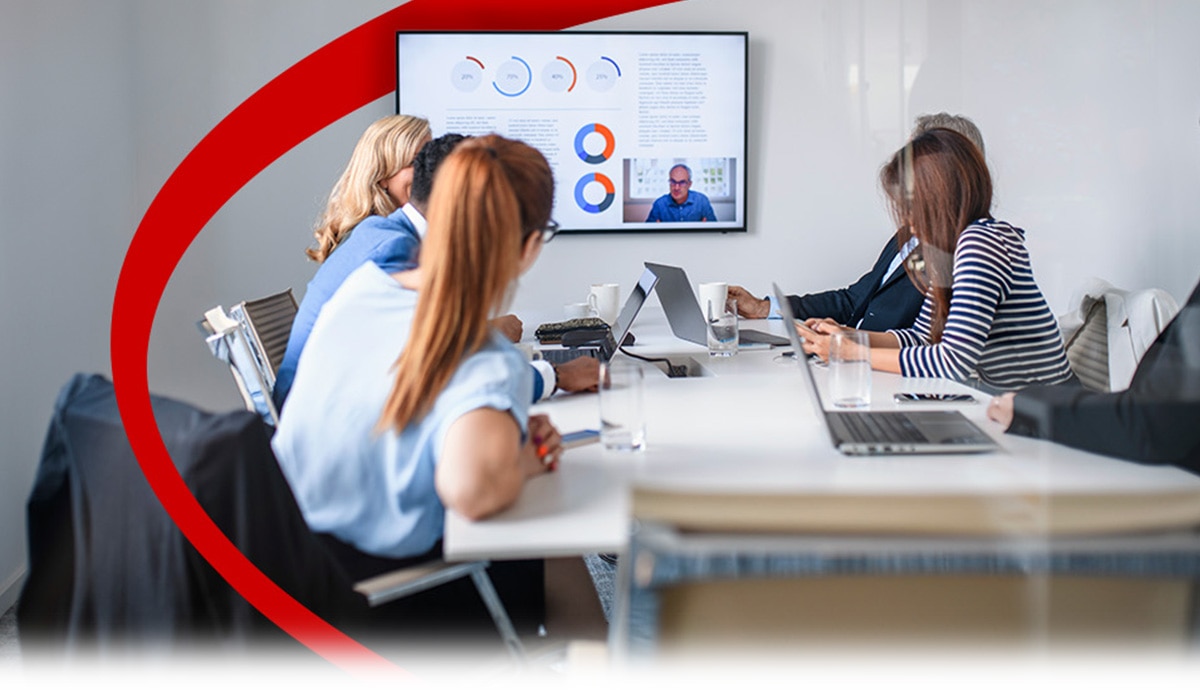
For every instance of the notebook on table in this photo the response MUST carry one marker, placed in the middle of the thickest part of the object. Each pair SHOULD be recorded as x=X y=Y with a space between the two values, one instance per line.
x=683 y=310
x=613 y=338
x=888 y=432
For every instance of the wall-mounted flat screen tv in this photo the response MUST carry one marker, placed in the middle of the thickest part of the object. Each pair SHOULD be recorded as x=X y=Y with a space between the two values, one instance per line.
x=646 y=132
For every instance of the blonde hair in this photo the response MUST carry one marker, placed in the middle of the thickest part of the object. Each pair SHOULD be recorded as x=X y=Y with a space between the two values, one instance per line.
x=384 y=149
x=491 y=194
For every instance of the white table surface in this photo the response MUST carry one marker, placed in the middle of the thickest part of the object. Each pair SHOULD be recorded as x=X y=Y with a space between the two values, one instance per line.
x=750 y=427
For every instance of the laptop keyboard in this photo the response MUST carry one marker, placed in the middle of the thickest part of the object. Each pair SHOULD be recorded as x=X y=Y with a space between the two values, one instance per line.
x=566 y=354
x=868 y=427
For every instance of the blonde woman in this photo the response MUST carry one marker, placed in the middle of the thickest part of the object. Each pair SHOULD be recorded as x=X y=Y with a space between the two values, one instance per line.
x=365 y=220
x=400 y=410
x=376 y=182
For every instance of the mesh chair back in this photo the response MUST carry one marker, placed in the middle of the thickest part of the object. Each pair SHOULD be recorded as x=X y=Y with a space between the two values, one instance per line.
x=1087 y=349
x=252 y=339
x=268 y=323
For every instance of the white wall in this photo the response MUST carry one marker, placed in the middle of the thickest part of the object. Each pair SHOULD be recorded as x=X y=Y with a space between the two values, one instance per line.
x=1089 y=111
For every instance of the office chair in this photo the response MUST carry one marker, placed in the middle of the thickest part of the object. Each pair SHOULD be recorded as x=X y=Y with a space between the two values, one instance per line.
x=108 y=567
x=1109 y=329
x=252 y=339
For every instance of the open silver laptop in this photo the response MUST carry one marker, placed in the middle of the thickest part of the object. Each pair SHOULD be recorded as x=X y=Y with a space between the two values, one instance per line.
x=683 y=311
x=607 y=347
x=879 y=432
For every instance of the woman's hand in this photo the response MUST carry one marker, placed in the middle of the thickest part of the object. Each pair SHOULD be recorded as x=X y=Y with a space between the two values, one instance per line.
x=1001 y=409
x=508 y=325
x=815 y=333
x=825 y=325
x=543 y=447
x=814 y=343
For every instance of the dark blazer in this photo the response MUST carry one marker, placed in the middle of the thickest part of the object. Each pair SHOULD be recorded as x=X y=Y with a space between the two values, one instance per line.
x=1155 y=421
x=895 y=304
x=107 y=565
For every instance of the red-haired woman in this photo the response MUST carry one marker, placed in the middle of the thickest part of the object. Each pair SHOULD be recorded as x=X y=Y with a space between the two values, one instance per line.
x=406 y=402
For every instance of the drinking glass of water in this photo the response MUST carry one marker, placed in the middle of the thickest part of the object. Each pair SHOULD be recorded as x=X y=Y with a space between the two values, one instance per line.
x=622 y=410
x=723 y=330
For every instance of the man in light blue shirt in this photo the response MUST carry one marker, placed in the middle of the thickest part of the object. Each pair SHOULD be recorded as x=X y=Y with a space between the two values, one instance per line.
x=681 y=205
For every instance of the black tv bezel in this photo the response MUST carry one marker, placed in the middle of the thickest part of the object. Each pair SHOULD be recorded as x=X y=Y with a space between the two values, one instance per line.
x=668 y=228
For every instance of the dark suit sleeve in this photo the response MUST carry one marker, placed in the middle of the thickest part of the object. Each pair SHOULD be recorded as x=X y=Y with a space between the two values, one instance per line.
x=1155 y=421
x=1128 y=425
x=846 y=304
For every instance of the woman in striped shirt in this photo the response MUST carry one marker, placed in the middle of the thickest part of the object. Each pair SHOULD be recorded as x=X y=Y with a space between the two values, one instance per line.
x=984 y=320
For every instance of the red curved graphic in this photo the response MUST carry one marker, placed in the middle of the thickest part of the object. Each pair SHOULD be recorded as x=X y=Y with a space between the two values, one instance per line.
x=609 y=187
x=476 y=61
x=574 y=74
x=610 y=142
x=245 y=142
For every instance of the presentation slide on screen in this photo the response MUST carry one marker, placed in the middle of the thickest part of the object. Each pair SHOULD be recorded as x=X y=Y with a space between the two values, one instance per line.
x=615 y=114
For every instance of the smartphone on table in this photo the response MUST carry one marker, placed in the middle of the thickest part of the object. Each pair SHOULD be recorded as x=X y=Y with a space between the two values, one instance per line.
x=933 y=397
x=580 y=438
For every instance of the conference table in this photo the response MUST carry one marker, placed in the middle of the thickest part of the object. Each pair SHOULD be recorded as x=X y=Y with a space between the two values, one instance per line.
x=741 y=438
x=746 y=425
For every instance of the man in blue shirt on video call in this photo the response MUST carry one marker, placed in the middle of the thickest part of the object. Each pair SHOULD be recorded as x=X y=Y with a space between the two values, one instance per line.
x=681 y=204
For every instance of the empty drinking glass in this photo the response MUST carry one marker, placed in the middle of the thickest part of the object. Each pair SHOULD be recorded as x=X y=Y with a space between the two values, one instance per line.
x=850 y=368
x=622 y=411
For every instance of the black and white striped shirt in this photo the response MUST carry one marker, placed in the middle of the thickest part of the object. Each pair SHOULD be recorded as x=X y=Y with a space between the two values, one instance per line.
x=999 y=325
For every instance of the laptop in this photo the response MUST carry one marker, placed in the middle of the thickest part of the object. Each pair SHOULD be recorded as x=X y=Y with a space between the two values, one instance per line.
x=607 y=347
x=888 y=432
x=683 y=310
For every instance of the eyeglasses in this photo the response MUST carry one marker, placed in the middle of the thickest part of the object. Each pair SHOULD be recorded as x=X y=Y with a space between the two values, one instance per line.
x=679 y=183
x=549 y=231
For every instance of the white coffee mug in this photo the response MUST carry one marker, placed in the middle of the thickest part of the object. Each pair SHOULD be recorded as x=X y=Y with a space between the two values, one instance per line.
x=576 y=310
x=605 y=300
x=713 y=294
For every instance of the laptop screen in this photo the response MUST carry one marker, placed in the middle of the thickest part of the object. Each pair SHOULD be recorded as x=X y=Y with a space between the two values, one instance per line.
x=785 y=310
x=679 y=304
x=633 y=305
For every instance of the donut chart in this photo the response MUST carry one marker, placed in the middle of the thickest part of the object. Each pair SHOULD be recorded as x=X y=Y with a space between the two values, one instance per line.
x=610 y=192
x=610 y=143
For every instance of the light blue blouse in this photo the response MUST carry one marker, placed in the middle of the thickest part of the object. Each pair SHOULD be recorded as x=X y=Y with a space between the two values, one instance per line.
x=372 y=490
x=392 y=242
